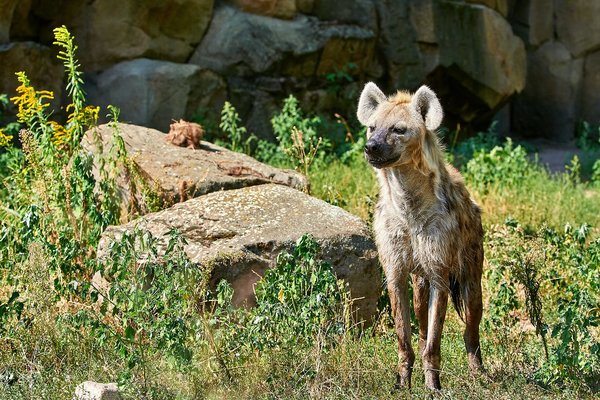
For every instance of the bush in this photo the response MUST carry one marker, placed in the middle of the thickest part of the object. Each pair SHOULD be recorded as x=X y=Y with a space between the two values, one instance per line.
x=552 y=279
x=501 y=167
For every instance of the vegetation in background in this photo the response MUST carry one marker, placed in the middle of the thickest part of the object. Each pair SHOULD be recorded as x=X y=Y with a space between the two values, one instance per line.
x=152 y=323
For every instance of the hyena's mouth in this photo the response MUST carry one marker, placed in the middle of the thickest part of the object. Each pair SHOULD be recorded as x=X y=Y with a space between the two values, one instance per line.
x=381 y=163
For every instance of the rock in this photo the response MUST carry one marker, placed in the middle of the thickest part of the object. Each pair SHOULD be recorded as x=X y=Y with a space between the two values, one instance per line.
x=397 y=43
x=242 y=44
x=285 y=9
x=89 y=390
x=590 y=107
x=533 y=21
x=111 y=31
x=24 y=26
x=238 y=234
x=422 y=19
x=578 y=25
x=153 y=93
x=38 y=62
x=482 y=63
x=182 y=173
x=501 y=6
x=7 y=8
x=548 y=105
x=355 y=12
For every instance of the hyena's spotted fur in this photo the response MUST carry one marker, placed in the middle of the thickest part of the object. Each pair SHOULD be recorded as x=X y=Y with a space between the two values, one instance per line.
x=426 y=224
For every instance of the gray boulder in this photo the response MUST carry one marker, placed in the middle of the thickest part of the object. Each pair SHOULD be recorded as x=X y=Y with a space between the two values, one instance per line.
x=111 y=31
x=590 y=107
x=533 y=21
x=153 y=93
x=90 y=390
x=7 y=8
x=243 y=44
x=237 y=234
x=179 y=173
x=38 y=62
x=481 y=56
x=577 y=25
x=548 y=105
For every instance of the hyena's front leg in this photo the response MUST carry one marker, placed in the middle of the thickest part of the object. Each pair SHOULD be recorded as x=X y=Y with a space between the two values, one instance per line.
x=420 y=301
x=398 y=292
x=438 y=302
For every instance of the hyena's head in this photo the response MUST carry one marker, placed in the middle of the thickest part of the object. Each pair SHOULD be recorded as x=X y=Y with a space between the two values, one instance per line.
x=397 y=125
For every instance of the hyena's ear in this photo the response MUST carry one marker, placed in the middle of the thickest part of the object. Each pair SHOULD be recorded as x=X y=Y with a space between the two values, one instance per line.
x=427 y=105
x=370 y=98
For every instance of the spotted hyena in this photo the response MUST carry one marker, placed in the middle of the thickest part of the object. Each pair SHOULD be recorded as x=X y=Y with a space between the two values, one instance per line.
x=426 y=225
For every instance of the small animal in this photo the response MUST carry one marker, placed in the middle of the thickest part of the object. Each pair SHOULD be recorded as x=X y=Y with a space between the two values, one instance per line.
x=426 y=226
x=185 y=134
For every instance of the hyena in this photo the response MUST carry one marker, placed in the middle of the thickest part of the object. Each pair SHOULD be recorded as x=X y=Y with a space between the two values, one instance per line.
x=426 y=225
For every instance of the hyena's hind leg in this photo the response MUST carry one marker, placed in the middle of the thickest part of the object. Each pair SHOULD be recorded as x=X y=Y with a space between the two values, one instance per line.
x=399 y=300
x=421 y=303
x=473 y=310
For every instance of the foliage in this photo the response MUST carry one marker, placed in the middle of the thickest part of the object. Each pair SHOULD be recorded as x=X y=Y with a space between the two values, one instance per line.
x=297 y=301
x=501 y=167
x=481 y=142
x=231 y=127
x=557 y=274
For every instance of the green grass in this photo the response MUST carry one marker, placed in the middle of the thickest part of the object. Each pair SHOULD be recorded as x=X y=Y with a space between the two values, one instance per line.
x=49 y=358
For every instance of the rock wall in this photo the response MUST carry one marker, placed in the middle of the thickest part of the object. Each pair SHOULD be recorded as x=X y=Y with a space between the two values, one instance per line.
x=536 y=60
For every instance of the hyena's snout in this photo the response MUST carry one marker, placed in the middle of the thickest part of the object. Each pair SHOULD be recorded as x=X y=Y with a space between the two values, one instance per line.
x=379 y=153
x=372 y=148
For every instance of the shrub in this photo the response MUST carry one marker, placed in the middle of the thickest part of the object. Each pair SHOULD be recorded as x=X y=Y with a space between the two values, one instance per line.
x=502 y=167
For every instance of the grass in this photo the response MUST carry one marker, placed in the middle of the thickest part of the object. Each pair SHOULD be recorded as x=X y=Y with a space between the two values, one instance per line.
x=50 y=358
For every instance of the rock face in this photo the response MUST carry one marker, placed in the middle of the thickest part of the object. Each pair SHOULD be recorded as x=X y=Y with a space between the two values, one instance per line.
x=38 y=62
x=7 y=8
x=473 y=53
x=590 y=111
x=549 y=102
x=238 y=233
x=89 y=390
x=480 y=56
x=285 y=9
x=154 y=93
x=243 y=44
x=577 y=25
x=111 y=31
x=181 y=173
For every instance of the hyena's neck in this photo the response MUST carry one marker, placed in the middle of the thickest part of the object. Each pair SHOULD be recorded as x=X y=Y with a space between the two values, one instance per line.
x=412 y=191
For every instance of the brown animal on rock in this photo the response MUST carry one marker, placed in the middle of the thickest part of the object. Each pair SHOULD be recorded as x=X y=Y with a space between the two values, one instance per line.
x=185 y=134
x=426 y=225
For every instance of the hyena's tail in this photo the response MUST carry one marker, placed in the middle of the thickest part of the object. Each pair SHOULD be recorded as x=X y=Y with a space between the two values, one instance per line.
x=456 y=294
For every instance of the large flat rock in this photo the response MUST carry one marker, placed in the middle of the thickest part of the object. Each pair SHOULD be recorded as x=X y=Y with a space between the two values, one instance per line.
x=238 y=234
x=181 y=173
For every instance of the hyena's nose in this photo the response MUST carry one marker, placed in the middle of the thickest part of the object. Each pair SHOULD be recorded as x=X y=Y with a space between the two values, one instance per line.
x=371 y=147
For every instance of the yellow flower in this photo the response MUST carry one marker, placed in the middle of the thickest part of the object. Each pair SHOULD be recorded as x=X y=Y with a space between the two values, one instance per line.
x=60 y=135
x=5 y=139
x=29 y=101
x=280 y=295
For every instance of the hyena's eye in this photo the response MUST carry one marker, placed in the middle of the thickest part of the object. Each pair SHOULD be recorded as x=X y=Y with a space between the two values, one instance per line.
x=399 y=131
x=371 y=129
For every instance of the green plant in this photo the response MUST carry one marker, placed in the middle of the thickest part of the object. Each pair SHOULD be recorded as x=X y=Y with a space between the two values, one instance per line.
x=558 y=277
x=468 y=148
x=147 y=302
x=298 y=299
x=231 y=126
x=502 y=167
x=288 y=125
